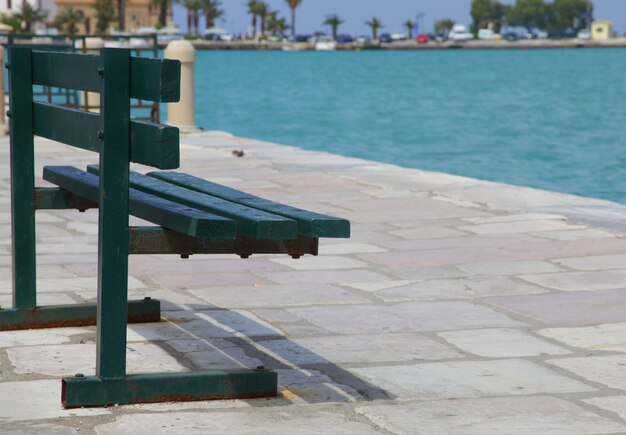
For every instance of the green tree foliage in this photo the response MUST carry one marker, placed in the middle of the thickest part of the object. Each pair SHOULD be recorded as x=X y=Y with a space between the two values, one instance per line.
x=68 y=18
x=531 y=14
x=252 y=6
x=375 y=24
x=12 y=21
x=487 y=13
x=164 y=6
x=574 y=14
x=409 y=26
x=334 y=22
x=263 y=11
x=212 y=11
x=105 y=15
x=444 y=26
x=275 y=25
x=28 y=16
x=121 y=15
x=193 y=15
x=293 y=5
x=258 y=10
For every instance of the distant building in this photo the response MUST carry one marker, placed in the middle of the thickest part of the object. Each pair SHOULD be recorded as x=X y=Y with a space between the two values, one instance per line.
x=9 y=7
x=139 y=13
x=601 y=30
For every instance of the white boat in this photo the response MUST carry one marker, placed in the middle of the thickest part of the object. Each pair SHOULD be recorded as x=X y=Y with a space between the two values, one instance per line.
x=295 y=46
x=325 y=43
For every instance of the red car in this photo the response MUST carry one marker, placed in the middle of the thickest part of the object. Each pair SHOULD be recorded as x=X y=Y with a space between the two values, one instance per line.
x=422 y=38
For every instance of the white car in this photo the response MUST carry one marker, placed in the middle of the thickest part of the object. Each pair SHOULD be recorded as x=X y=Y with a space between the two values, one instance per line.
x=584 y=35
x=216 y=34
x=459 y=33
x=488 y=34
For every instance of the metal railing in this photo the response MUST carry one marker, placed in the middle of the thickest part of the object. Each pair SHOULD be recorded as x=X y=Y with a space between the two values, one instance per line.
x=140 y=45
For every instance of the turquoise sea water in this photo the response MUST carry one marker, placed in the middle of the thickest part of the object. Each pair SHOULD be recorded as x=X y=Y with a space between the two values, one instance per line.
x=553 y=119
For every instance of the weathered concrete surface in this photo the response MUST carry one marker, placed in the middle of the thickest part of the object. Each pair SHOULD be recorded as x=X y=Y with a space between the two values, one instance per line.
x=458 y=306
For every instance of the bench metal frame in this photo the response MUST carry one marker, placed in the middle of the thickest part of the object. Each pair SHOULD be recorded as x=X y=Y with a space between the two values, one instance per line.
x=118 y=77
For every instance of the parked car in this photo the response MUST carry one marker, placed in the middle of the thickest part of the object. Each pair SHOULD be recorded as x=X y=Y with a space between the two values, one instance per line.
x=215 y=34
x=510 y=36
x=459 y=33
x=299 y=38
x=584 y=35
x=385 y=38
x=422 y=38
x=345 y=39
x=441 y=37
x=398 y=37
x=488 y=34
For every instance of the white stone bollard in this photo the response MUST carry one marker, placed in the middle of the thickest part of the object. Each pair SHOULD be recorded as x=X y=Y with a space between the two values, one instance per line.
x=92 y=99
x=183 y=113
x=3 y=126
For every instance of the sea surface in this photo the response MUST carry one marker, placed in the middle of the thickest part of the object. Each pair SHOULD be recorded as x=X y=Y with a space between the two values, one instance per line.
x=553 y=119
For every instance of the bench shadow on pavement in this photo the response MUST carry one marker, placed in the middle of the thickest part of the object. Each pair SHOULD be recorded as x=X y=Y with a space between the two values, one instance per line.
x=205 y=337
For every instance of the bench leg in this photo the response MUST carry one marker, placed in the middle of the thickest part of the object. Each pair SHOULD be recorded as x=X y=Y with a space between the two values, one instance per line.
x=56 y=316
x=168 y=387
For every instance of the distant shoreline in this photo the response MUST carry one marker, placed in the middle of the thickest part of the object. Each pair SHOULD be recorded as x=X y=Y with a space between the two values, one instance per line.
x=412 y=45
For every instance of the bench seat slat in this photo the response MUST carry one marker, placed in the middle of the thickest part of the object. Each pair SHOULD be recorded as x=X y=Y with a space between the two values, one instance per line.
x=151 y=79
x=251 y=222
x=151 y=144
x=159 y=211
x=310 y=224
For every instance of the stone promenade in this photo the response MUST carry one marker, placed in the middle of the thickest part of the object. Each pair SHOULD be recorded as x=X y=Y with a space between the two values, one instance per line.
x=458 y=306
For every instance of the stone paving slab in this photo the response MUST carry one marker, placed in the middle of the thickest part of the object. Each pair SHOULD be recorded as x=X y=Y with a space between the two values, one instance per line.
x=501 y=343
x=299 y=421
x=507 y=415
x=457 y=306
x=446 y=380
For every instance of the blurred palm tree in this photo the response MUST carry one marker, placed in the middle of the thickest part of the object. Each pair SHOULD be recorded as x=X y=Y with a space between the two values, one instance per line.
x=293 y=4
x=212 y=11
x=121 y=15
x=252 y=10
x=105 y=15
x=276 y=26
x=28 y=15
x=193 y=15
x=68 y=18
x=164 y=7
x=410 y=25
x=263 y=11
x=334 y=22
x=375 y=24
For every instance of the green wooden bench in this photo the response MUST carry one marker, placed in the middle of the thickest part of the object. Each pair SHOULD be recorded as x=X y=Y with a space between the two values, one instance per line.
x=193 y=216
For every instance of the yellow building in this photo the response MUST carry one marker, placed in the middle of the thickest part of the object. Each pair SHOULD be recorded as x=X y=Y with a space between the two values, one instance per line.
x=601 y=30
x=139 y=13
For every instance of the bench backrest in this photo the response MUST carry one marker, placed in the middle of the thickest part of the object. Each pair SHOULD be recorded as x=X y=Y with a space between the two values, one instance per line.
x=118 y=139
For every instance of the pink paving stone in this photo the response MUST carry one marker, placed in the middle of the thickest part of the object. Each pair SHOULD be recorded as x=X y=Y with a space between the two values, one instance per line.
x=63 y=259
x=570 y=248
x=383 y=214
x=326 y=276
x=189 y=281
x=428 y=233
x=154 y=266
x=442 y=257
x=568 y=308
x=311 y=178
x=536 y=250
x=460 y=242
